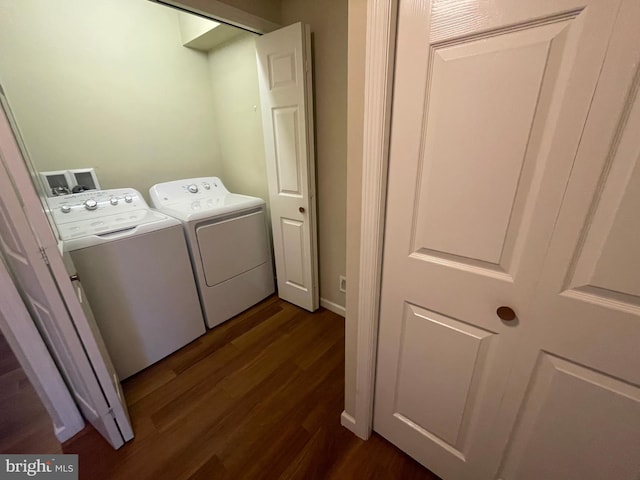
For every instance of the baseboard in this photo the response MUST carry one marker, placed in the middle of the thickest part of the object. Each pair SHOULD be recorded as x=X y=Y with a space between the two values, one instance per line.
x=333 y=307
x=348 y=422
x=66 y=432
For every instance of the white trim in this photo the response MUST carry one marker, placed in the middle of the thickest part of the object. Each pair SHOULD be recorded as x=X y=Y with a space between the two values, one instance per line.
x=333 y=307
x=18 y=328
x=223 y=12
x=380 y=43
x=348 y=421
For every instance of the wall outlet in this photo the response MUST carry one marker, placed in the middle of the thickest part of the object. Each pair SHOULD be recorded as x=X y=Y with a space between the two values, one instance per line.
x=342 y=285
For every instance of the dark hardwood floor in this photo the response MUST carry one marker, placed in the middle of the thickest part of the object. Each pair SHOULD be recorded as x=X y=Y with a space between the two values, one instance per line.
x=258 y=397
x=25 y=426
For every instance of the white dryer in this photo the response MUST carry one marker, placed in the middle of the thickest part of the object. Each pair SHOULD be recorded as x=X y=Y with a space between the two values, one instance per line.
x=134 y=266
x=228 y=240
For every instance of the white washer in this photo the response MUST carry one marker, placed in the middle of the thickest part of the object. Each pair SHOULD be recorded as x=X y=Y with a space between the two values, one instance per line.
x=229 y=243
x=134 y=266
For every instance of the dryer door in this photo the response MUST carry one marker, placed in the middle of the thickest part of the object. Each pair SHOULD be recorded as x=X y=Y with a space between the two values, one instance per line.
x=232 y=246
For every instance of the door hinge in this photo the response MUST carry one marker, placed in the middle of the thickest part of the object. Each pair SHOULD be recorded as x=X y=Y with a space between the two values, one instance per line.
x=43 y=253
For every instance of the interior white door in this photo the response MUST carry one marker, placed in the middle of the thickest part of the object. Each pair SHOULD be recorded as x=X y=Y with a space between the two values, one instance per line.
x=490 y=101
x=284 y=74
x=577 y=375
x=32 y=254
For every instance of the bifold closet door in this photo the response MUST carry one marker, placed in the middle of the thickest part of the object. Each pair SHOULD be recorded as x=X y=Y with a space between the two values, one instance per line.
x=477 y=178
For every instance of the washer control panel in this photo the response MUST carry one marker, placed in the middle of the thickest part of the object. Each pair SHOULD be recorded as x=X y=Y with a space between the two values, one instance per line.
x=93 y=204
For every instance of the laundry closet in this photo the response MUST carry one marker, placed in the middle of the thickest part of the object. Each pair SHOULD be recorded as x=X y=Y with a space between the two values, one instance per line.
x=138 y=91
x=111 y=98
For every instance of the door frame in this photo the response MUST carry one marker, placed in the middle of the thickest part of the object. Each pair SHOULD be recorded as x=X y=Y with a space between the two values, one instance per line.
x=223 y=12
x=378 y=82
x=380 y=45
x=378 y=93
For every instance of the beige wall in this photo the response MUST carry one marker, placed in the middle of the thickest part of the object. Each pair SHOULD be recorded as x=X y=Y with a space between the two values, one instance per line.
x=108 y=84
x=236 y=106
x=355 y=121
x=328 y=20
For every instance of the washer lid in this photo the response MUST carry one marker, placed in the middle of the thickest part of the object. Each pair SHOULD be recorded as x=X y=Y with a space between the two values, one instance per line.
x=198 y=198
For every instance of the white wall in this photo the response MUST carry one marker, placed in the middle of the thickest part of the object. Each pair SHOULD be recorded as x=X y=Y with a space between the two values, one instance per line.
x=107 y=83
x=236 y=107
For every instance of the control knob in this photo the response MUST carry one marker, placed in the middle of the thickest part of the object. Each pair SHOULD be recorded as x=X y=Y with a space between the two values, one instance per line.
x=65 y=208
x=113 y=201
x=193 y=188
x=128 y=198
x=90 y=204
x=207 y=186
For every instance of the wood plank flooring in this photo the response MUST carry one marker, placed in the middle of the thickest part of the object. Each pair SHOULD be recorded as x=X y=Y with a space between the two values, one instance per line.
x=258 y=397
x=25 y=426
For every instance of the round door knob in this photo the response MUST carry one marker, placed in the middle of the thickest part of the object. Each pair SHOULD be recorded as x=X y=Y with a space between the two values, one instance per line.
x=506 y=314
x=301 y=209
x=90 y=204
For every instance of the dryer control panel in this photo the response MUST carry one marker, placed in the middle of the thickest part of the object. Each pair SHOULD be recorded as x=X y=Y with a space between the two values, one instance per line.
x=194 y=189
x=198 y=198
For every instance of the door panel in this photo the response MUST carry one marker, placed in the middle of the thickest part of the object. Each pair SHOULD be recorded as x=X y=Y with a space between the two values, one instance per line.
x=286 y=127
x=444 y=355
x=284 y=74
x=476 y=180
x=292 y=232
x=576 y=423
x=580 y=411
x=606 y=264
x=46 y=323
x=486 y=112
x=49 y=314
x=32 y=254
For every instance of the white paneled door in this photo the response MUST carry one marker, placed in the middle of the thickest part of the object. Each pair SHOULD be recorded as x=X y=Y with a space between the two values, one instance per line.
x=516 y=185
x=31 y=252
x=284 y=73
